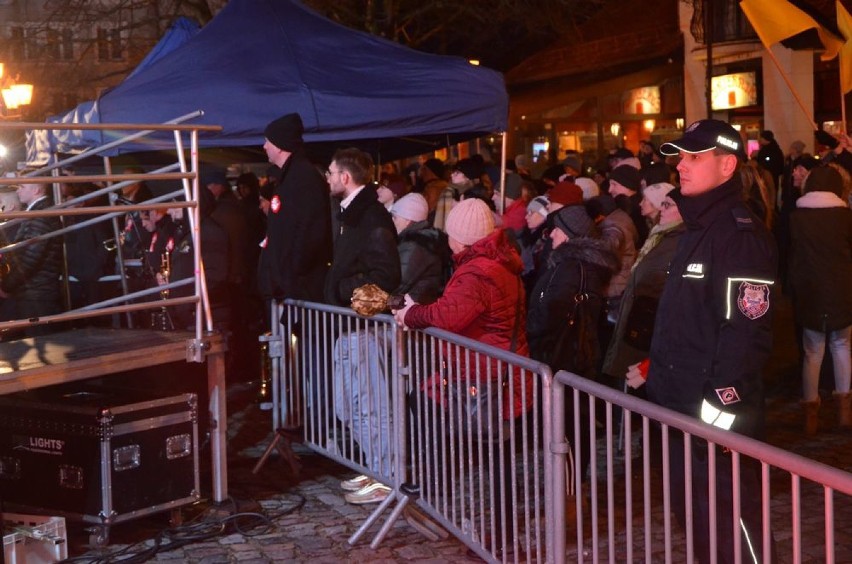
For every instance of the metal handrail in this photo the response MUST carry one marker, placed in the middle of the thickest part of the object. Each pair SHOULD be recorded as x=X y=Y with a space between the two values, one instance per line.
x=187 y=175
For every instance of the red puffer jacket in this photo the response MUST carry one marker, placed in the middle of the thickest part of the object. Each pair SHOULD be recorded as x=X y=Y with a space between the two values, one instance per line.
x=484 y=300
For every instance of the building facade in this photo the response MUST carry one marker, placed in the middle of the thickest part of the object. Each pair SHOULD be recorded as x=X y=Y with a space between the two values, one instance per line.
x=638 y=70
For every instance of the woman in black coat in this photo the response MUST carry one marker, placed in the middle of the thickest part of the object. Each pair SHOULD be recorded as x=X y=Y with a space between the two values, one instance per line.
x=579 y=258
x=820 y=274
x=572 y=287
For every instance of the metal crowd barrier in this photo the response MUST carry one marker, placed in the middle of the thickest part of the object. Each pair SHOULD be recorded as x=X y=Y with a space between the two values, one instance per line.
x=403 y=407
x=428 y=413
x=478 y=443
x=623 y=508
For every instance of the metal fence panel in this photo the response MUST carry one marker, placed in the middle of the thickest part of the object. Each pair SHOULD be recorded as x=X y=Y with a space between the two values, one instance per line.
x=627 y=494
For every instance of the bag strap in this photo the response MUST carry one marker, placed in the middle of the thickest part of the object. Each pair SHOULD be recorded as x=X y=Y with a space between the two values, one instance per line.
x=580 y=296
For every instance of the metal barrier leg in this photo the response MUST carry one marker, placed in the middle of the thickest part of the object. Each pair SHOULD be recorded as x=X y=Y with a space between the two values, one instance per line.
x=282 y=441
x=374 y=516
x=397 y=511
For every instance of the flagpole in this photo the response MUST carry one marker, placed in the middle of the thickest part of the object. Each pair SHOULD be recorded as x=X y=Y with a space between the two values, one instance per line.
x=792 y=89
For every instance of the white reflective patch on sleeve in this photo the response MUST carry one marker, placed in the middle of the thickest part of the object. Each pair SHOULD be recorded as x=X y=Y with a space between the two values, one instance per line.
x=716 y=417
x=751 y=296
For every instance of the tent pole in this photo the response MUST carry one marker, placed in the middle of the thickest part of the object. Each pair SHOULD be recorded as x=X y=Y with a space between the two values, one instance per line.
x=503 y=175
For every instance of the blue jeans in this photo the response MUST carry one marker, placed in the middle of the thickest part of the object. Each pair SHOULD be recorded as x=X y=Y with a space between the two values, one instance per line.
x=814 y=345
x=362 y=393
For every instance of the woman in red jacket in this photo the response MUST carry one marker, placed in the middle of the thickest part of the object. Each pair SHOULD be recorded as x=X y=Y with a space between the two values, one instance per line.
x=483 y=300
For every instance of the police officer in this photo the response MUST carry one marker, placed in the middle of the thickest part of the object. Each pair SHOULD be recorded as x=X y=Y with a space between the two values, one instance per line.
x=712 y=335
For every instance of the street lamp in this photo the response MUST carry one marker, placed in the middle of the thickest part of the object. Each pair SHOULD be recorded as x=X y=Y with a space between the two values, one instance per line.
x=14 y=95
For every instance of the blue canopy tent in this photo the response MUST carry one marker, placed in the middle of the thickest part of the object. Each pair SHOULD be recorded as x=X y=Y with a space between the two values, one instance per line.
x=259 y=59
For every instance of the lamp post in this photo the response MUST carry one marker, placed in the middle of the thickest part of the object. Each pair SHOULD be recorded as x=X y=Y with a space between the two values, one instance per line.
x=14 y=95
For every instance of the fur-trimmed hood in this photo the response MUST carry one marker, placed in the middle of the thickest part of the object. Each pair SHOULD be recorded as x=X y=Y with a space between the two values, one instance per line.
x=820 y=199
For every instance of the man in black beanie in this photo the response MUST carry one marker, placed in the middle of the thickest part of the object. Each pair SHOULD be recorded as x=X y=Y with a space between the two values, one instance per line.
x=297 y=249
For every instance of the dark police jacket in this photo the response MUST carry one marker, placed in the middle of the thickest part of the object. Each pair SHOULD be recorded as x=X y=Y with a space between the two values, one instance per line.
x=713 y=328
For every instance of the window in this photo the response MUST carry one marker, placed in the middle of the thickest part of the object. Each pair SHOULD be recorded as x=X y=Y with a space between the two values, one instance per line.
x=110 y=44
x=53 y=49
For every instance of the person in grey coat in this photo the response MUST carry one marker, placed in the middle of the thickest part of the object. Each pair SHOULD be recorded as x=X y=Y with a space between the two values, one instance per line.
x=424 y=252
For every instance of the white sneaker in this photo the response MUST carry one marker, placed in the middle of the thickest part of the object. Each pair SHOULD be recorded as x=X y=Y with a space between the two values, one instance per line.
x=356 y=483
x=374 y=493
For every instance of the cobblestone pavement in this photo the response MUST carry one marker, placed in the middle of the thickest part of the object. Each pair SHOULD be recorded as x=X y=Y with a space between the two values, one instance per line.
x=308 y=521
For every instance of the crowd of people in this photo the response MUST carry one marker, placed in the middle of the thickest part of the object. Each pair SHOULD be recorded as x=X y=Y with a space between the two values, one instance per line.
x=657 y=273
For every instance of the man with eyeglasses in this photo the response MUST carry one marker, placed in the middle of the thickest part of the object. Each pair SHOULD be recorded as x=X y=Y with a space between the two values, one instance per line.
x=365 y=252
x=297 y=249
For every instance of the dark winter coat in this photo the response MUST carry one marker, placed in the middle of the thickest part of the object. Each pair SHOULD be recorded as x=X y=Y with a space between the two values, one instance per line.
x=365 y=249
x=820 y=270
x=295 y=259
x=424 y=255
x=713 y=329
x=552 y=302
x=216 y=256
x=35 y=268
x=229 y=214
x=484 y=301
x=647 y=280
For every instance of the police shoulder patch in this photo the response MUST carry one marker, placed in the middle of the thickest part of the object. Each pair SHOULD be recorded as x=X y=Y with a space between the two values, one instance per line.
x=753 y=299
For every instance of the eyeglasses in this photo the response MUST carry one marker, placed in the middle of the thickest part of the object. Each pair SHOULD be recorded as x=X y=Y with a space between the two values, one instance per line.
x=329 y=172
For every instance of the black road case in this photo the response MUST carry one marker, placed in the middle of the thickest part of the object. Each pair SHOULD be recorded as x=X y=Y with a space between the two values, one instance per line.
x=96 y=455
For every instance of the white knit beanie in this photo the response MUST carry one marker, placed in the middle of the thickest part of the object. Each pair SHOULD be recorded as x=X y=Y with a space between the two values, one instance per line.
x=412 y=207
x=589 y=187
x=656 y=193
x=469 y=221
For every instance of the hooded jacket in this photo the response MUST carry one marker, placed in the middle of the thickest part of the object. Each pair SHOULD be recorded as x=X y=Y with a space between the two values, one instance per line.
x=484 y=301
